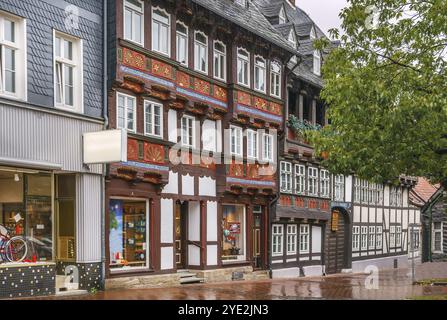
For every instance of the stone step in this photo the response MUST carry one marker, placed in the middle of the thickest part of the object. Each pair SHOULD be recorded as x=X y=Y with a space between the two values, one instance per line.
x=71 y=293
x=187 y=274
x=190 y=280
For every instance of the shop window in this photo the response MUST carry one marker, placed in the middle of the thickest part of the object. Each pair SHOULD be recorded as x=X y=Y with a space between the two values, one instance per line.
x=133 y=21
x=161 y=22
x=26 y=209
x=304 y=238
x=66 y=217
x=277 y=239
x=128 y=234
x=182 y=43
x=233 y=226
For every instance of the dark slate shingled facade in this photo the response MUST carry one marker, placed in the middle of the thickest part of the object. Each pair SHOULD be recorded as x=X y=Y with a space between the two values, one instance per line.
x=42 y=16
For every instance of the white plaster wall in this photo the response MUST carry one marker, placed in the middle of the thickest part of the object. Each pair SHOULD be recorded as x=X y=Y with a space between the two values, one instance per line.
x=219 y=135
x=357 y=213
x=348 y=189
x=372 y=215
x=316 y=239
x=393 y=215
x=209 y=135
x=188 y=185
x=167 y=258
x=211 y=255
x=379 y=215
x=194 y=221
x=172 y=126
x=167 y=221
x=207 y=187
x=364 y=214
x=386 y=196
x=193 y=255
x=405 y=198
x=211 y=221
x=172 y=186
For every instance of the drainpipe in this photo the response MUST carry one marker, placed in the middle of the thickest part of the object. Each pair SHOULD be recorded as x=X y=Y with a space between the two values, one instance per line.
x=106 y=124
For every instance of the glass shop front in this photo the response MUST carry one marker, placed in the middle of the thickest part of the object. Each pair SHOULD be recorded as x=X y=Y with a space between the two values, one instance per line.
x=234 y=237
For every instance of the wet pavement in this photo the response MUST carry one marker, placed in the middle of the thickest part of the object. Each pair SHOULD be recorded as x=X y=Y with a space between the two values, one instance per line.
x=391 y=285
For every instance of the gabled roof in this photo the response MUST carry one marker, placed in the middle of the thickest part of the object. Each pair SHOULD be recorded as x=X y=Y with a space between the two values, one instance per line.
x=423 y=191
x=249 y=18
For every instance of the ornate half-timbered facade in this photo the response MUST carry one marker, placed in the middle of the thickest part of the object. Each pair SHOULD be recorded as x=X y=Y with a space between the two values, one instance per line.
x=200 y=91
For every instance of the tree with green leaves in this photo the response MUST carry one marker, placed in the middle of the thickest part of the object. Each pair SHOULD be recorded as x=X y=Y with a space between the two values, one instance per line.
x=386 y=87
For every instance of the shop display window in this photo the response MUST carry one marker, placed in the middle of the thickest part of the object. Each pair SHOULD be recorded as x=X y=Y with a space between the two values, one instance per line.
x=233 y=226
x=128 y=235
x=26 y=210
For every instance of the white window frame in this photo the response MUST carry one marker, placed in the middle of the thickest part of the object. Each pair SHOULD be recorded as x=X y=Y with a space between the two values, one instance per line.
x=185 y=37
x=339 y=187
x=126 y=108
x=364 y=238
x=198 y=46
x=152 y=105
x=398 y=236
x=365 y=190
x=259 y=60
x=317 y=62
x=312 y=181
x=292 y=40
x=241 y=62
x=236 y=141
x=379 y=237
x=325 y=182
x=277 y=240
x=138 y=11
x=252 y=144
x=372 y=237
x=355 y=238
x=76 y=63
x=292 y=237
x=286 y=177
x=210 y=137
x=282 y=19
x=186 y=134
x=357 y=190
x=392 y=236
x=168 y=26
x=275 y=80
x=267 y=147
x=217 y=54
x=304 y=238
x=439 y=231
x=300 y=179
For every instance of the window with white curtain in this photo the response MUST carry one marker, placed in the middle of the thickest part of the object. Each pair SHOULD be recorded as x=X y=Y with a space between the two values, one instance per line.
x=200 y=52
x=220 y=61
x=304 y=238
x=161 y=22
x=277 y=239
x=325 y=180
x=260 y=74
x=286 y=177
x=243 y=67
x=291 y=238
x=312 y=181
x=252 y=144
x=275 y=79
x=236 y=141
x=267 y=147
x=182 y=43
x=300 y=178
x=188 y=131
x=153 y=119
x=133 y=21
x=126 y=112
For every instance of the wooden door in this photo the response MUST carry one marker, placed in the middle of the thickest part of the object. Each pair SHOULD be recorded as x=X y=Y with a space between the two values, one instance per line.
x=337 y=249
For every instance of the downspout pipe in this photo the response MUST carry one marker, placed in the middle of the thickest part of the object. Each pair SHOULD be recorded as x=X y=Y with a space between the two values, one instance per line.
x=106 y=124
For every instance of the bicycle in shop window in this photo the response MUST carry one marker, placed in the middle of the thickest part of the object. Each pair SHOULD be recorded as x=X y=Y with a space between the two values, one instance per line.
x=13 y=248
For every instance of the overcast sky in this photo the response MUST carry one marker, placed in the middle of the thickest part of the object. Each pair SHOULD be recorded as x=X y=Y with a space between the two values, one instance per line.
x=323 y=12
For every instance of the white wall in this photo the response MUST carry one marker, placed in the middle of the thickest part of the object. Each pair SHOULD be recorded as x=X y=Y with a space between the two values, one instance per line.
x=348 y=189
x=167 y=258
x=194 y=221
x=172 y=126
x=211 y=255
x=188 y=185
x=167 y=221
x=172 y=186
x=316 y=239
x=207 y=187
x=211 y=221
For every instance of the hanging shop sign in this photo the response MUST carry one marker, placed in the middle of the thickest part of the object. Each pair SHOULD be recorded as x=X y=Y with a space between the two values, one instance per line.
x=105 y=147
x=335 y=220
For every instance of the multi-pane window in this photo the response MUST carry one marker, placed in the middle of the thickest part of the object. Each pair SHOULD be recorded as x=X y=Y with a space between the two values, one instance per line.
x=68 y=72
x=291 y=238
x=380 y=193
x=398 y=236
x=220 y=60
x=339 y=187
x=357 y=190
x=364 y=238
x=414 y=239
x=379 y=237
x=252 y=144
x=243 y=67
x=188 y=131
x=182 y=43
x=277 y=239
x=392 y=236
x=153 y=119
x=437 y=237
x=300 y=179
x=161 y=22
x=365 y=189
x=200 y=52
x=133 y=21
x=372 y=237
x=126 y=112
x=260 y=74
x=371 y=193
x=286 y=177
x=267 y=147
x=312 y=181
x=325 y=179
x=355 y=238
x=304 y=238
x=236 y=141
x=317 y=62
x=395 y=196
x=275 y=79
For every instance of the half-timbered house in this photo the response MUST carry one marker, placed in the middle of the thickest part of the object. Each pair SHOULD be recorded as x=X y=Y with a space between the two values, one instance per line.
x=199 y=86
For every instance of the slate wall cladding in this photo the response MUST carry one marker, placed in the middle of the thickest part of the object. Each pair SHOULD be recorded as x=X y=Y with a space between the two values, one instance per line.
x=27 y=281
x=42 y=16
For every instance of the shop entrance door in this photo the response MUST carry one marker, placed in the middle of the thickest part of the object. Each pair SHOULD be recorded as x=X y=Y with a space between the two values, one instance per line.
x=181 y=211
x=338 y=243
x=257 y=239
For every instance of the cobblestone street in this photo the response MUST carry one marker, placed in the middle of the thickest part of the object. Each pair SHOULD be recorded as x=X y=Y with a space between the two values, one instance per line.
x=393 y=285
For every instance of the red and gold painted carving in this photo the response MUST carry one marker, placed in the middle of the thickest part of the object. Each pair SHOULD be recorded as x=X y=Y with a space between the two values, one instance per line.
x=220 y=93
x=208 y=163
x=202 y=86
x=133 y=59
x=132 y=149
x=299 y=202
x=253 y=171
x=154 y=153
x=237 y=170
x=275 y=108
x=285 y=201
x=260 y=104
x=244 y=98
x=162 y=69
x=325 y=205
x=312 y=204
x=183 y=80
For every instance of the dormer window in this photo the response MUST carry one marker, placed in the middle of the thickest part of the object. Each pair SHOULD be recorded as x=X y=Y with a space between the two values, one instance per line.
x=317 y=62
x=313 y=33
x=282 y=16
x=242 y=3
x=292 y=41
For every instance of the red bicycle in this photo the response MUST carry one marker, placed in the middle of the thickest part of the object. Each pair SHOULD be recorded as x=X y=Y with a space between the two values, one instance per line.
x=12 y=248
